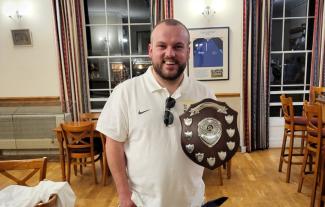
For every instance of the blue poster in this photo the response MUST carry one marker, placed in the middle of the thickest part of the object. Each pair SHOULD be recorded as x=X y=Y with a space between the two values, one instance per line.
x=208 y=52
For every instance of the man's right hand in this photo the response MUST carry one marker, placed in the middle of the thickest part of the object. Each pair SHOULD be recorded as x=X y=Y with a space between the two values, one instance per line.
x=126 y=202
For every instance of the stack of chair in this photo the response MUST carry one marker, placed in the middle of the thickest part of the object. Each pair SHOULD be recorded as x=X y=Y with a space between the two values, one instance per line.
x=321 y=202
x=315 y=135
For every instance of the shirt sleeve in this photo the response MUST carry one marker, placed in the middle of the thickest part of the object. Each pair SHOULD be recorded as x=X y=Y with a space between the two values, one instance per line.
x=113 y=120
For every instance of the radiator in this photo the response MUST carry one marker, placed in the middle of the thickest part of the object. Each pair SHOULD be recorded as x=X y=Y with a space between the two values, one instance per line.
x=30 y=128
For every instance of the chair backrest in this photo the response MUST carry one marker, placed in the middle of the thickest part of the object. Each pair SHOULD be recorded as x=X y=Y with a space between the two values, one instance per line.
x=89 y=116
x=30 y=166
x=52 y=202
x=287 y=108
x=315 y=92
x=313 y=113
x=78 y=136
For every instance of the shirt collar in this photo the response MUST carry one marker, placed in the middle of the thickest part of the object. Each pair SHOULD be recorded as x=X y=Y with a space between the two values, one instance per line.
x=153 y=85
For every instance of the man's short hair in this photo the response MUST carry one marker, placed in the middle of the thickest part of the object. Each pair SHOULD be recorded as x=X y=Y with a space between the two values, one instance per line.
x=171 y=22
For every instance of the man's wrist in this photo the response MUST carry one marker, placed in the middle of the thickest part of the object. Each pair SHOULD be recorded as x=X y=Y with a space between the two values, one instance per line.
x=124 y=193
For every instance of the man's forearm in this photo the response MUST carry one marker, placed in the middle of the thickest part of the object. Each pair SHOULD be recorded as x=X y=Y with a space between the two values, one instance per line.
x=117 y=165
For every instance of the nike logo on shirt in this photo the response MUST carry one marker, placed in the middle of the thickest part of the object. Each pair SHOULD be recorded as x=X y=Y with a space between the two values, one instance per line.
x=141 y=112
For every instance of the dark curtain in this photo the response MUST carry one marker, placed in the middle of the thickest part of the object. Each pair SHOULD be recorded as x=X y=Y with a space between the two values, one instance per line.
x=256 y=44
x=317 y=77
x=71 y=50
x=161 y=9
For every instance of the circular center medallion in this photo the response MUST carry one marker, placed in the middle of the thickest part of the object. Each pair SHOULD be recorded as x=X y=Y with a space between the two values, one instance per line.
x=209 y=130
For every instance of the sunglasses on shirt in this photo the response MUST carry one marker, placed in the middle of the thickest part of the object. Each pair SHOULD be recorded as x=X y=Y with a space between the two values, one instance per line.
x=169 y=117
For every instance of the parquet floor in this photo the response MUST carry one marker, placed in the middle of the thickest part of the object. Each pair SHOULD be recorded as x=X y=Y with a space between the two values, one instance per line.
x=255 y=182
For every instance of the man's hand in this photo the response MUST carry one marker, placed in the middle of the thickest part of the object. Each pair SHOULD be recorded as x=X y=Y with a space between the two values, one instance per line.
x=126 y=202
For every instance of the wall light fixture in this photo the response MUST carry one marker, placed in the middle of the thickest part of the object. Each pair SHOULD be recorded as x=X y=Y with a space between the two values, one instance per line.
x=208 y=11
x=16 y=16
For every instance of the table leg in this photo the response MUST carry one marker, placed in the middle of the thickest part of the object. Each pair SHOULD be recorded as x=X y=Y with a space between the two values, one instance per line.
x=62 y=157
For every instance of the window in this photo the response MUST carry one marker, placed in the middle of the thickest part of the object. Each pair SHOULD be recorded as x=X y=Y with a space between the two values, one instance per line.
x=291 y=45
x=118 y=34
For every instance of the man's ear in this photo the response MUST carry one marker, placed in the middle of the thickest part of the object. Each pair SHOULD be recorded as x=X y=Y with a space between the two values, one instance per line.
x=188 y=51
x=150 y=50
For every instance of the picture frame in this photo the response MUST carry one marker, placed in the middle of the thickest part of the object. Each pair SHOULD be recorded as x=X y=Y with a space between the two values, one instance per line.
x=21 y=37
x=209 y=53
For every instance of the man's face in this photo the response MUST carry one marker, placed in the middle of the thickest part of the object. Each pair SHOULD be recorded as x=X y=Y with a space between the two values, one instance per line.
x=169 y=51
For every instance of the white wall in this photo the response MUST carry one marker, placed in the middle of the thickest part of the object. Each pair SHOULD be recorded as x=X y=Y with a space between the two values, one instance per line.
x=28 y=70
x=229 y=14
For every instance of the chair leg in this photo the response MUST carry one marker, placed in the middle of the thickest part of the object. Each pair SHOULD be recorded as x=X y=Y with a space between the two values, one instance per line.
x=75 y=168
x=302 y=143
x=102 y=167
x=321 y=201
x=69 y=170
x=290 y=156
x=80 y=165
x=101 y=162
x=283 y=149
x=94 y=169
x=229 y=169
x=314 y=188
x=220 y=175
x=303 y=169
x=105 y=167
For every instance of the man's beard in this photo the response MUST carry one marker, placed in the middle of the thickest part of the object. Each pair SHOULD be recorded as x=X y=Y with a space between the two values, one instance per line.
x=158 y=69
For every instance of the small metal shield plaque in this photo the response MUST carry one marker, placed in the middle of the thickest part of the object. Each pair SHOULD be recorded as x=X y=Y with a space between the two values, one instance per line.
x=210 y=135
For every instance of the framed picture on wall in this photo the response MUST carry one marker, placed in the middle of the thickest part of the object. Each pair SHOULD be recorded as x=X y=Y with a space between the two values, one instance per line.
x=209 y=55
x=21 y=37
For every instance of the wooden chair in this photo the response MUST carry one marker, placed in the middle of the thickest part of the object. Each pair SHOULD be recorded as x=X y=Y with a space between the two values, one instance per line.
x=50 y=203
x=315 y=92
x=313 y=145
x=321 y=201
x=292 y=125
x=89 y=117
x=94 y=117
x=30 y=166
x=99 y=140
x=79 y=145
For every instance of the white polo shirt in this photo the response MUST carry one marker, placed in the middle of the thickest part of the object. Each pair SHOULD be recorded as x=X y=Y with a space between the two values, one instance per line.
x=159 y=172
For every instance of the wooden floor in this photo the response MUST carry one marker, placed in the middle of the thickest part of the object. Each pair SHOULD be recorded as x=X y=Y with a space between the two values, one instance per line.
x=255 y=182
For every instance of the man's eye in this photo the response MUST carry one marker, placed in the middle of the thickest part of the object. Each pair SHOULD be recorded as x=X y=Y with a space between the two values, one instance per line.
x=179 y=47
x=161 y=46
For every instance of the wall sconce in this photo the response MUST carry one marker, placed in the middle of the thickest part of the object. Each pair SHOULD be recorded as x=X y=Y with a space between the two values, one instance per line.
x=208 y=11
x=17 y=16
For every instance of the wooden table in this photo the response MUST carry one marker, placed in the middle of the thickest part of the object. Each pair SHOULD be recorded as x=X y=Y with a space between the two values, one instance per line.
x=59 y=136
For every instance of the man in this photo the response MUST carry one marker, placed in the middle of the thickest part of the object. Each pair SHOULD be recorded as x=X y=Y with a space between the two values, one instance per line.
x=140 y=120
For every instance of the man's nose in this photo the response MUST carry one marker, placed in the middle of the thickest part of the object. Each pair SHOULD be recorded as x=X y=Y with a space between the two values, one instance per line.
x=170 y=52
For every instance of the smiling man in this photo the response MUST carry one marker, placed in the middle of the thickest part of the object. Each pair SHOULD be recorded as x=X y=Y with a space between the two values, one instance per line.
x=140 y=121
x=169 y=51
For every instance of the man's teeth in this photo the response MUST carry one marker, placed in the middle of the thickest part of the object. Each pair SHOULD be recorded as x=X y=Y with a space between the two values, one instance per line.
x=169 y=62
